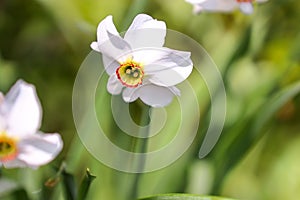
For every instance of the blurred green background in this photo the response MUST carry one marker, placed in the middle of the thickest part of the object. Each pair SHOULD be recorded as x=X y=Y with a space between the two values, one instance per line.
x=257 y=157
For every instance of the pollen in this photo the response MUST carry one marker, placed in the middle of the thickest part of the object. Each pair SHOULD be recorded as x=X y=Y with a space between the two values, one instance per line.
x=8 y=148
x=244 y=1
x=130 y=73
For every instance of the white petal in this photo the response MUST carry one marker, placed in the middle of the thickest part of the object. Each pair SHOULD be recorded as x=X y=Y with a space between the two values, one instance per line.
x=171 y=69
x=157 y=96
x=197 y=9
x=21 y=110
x=16 y=163
x=109 y=41
x=1 y=98
x=94 y=46
x=114 y=86
x=110 y=64
x=150 y=55
x=2 y=123
x=130 y=94
x=218 y=5
x=152 y=95
x=146 y=32
x=39 y=149
x=196 y=1
x=246 y=7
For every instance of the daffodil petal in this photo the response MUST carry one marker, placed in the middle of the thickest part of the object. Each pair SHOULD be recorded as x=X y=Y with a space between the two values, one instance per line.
x=1 y=98
x=157 y=96
x=215 y=5
x=110 y=64
x=152 y=95
x=195 y=1
x=109 y=41
x=144 y=26
x=197 y=5
x=16 y=163
x=130 y=94
x=39 y=149
x=2 y=124
x=171 y=69
x=21 y=110
x=114 y=86
x=246 y=7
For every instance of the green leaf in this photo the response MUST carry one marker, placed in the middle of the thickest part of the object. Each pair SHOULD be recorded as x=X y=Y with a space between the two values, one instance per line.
x=183 y=197
x=85 y=185
x=20 y=194
x=69 y=185
x=248 y=131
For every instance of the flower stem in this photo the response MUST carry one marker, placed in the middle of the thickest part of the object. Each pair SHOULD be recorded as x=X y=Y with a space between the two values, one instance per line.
x=140 y=145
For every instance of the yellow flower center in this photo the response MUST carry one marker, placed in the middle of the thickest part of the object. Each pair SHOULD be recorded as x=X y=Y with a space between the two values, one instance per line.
x=8 y=148
x=130 y=73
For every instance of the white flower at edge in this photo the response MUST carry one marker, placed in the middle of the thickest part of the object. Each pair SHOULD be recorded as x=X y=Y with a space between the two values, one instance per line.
x=246 y=6
x=138 y=65
x=21 y=144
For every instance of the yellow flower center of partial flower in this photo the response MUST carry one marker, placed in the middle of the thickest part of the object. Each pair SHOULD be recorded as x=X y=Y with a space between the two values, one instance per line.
x=130 y=73
x=8 y=148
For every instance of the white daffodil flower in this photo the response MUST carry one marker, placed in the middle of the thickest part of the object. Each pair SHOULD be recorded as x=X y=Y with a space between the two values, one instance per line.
x=246 y=6
x=21 y=145
x=138 y=65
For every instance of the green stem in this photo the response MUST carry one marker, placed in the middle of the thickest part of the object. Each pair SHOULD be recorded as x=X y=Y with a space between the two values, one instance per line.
x=140 y=145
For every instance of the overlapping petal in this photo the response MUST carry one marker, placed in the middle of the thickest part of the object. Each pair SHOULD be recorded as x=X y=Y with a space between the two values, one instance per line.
x=114 y=86
x=110 y=64
x=109 y=41
x=171 y=68
x=21 y=110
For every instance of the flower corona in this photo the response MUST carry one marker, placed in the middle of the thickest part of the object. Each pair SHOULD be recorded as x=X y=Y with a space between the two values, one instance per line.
x=130 y=74
x=8 y=148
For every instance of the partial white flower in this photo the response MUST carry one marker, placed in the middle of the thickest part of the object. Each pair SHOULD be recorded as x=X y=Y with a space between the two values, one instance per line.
x=138 y=65
x=21 y=145
x=246 y=6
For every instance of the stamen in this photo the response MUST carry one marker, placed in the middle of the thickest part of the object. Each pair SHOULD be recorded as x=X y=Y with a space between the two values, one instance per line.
x=128 y=71
x=135 y=74
x=244 y=1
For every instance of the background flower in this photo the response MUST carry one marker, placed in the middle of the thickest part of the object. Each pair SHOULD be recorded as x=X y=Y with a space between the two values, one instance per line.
x=223 y=5
x=20 y=142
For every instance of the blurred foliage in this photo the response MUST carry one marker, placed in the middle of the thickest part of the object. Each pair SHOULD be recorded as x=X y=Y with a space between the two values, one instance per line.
x=44 y=43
